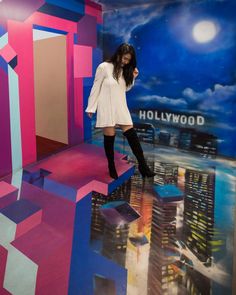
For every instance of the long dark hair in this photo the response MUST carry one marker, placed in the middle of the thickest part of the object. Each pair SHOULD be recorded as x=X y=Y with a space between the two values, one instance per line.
x=128 y=69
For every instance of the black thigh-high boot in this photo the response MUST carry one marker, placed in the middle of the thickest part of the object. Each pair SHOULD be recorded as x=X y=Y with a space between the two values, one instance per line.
x=137 y=150
x=109 y=151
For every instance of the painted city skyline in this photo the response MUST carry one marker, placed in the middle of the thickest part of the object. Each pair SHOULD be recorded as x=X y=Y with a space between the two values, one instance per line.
x=186 y=57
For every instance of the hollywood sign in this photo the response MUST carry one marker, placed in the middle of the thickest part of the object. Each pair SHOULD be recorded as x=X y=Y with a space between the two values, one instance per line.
x=171 y=117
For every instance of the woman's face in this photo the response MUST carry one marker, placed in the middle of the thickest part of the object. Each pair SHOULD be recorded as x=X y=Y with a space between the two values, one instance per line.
x=126 y=58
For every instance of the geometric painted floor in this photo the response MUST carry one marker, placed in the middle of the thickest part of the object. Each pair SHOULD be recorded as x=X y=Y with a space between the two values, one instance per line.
x=45 y=223
x=75 y=231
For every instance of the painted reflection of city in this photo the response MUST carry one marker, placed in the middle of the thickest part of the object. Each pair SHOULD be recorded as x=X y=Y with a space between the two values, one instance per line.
x=183 y=241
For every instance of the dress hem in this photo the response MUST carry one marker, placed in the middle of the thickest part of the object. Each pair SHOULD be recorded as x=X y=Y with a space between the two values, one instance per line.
x=117 y=124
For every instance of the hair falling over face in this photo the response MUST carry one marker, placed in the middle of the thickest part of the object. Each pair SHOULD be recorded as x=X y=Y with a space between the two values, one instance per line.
x=124 y=58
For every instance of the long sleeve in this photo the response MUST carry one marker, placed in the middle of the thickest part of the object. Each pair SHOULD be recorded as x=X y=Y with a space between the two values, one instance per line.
x=94 y=94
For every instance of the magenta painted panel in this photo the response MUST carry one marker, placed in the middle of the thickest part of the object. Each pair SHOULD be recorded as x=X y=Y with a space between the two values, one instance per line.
x=87 y=31
x=5 y=136
x=49 y=245
x=50 y=249
x=75 y=166
x=79 y=109
x=6 y=188
x=82 y=61
x=93 y=185
x=8 y=194
x=50 y=21
x=70 y=90
x=28 y=223
x=3 y=262
x=25 y=70
x=8 y=53
x=3 y=259
x=94 y=10
x=75 y=96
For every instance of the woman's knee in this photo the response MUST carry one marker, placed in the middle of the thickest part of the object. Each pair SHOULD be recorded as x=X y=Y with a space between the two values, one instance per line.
x=126 y=127
x=109 y=131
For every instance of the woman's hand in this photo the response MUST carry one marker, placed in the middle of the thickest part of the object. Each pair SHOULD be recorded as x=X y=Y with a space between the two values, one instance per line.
x=90 y=115
x=135 y=72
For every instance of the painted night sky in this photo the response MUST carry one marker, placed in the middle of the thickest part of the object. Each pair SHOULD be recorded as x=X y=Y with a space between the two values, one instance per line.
x=186 y=56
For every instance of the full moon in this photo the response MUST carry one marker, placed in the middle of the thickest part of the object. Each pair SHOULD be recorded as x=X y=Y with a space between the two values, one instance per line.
x=204 y=31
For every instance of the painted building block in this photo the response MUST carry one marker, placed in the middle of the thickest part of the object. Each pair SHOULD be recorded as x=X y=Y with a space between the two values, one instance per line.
x=94 y=9
x=24 y=214
x=82 y=61
x=60 y=12
x=36 y=177
x=119 y=213
x=51 y=23
x=8 y=53
x=60 y=189
x=87 y=31
x=13 y=62
x=22 y=86
x=48 y=245
x=73 y=5
x=168 y=193
x=8 y=194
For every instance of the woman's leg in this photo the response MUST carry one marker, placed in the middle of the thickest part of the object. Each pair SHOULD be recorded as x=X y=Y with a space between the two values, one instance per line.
x=133 y=140
x=124 y=128
x=109 y=131
x=109 y=138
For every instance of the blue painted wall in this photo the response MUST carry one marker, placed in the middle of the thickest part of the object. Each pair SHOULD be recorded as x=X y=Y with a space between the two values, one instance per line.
x=187 y=61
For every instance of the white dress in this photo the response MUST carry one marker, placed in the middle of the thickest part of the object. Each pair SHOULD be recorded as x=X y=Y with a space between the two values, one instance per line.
x=108 y=98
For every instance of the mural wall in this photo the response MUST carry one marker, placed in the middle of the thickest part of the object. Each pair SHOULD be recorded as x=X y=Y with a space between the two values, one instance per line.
x=68 y=228
x=33 y=110
x=182 y=105
x=186 y=55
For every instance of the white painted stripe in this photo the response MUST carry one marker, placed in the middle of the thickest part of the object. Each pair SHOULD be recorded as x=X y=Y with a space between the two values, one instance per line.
x=3 y=40
x=7 y=230
x=21 y=273
x=16 y=147
x=16 y=181
x=40 y=35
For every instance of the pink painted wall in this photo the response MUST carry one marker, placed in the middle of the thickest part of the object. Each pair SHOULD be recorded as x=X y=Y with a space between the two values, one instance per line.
x=79 y=58
x=5 y=143
x=24 y=49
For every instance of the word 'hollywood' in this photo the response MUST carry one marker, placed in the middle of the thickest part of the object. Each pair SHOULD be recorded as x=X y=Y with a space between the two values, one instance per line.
x=171 y=117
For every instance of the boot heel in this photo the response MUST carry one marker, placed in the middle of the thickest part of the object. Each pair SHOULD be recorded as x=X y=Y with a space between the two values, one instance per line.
x=145 y=171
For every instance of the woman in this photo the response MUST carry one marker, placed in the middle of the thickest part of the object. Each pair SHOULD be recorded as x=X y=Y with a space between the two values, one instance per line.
x=108 y=97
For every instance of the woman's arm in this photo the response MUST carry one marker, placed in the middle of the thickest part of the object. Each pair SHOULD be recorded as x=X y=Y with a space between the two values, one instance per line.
x=135 y=73
x=93 y=97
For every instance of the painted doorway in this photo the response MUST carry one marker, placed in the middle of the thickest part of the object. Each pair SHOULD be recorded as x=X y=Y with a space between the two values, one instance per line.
x=50 y=80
